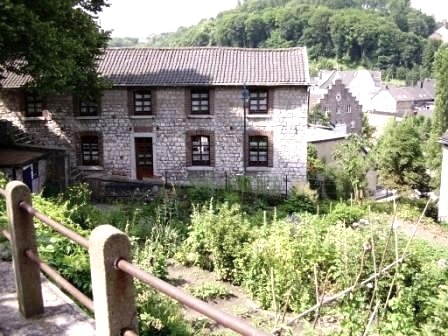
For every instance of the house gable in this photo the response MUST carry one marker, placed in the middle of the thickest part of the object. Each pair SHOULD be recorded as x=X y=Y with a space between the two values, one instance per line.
x=342 y=107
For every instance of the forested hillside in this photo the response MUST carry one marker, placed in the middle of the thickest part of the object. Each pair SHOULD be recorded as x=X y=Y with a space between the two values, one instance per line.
x=384 y=34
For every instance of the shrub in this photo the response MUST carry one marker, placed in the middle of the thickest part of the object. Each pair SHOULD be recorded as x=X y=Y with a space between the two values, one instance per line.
x=159 y=315
x=216 y=238
x=302 y=199
x=344 y=213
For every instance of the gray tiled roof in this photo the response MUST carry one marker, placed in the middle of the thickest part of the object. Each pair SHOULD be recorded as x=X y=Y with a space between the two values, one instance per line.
x=200 y=66
x=12 y=80
x=410 y=94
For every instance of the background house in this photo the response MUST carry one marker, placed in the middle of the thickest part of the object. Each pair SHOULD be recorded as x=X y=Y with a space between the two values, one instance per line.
x=326 y=141
x=398 y=102
x=178 y=113
x=342 y=108
x=345 y=95
x=363 y=84
x=441 y=34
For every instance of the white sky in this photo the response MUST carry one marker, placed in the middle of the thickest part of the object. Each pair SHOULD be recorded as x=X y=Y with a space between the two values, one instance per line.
x=141 y=18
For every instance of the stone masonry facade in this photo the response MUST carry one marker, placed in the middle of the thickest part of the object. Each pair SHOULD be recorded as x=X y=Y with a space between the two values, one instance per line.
x=168 y=127
x=342 y=107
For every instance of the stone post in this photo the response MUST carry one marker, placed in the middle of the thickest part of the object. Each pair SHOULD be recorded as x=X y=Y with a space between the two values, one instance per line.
x=23 y=237
x=113 y=290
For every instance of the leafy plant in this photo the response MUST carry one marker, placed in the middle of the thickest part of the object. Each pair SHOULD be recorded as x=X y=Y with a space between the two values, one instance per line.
x=210 y=291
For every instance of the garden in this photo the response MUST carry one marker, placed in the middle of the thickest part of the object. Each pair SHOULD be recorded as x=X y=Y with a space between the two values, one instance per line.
x=290 y=266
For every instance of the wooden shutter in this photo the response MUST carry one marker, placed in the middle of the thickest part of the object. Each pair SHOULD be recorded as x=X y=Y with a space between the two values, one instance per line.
x=270 y=149
x=270 y=101
x=131 y=101
x=211 y=101
x=21 y=101
x=76 y=105
x=153 y=102
x=188 y=152
x=187 y=102
x=212 y=148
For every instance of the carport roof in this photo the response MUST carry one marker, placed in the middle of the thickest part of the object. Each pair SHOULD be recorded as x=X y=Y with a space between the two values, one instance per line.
x=14 y=157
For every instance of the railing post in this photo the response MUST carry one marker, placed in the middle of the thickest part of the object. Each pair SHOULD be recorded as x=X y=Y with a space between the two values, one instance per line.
x=113 y=290
x=23 y=237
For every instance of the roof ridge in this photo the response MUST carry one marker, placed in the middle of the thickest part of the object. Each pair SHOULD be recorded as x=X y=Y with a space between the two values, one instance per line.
x=207 y=48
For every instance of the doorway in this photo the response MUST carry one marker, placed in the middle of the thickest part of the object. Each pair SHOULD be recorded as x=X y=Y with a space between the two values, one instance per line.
x=27 y=177
x=144 y=158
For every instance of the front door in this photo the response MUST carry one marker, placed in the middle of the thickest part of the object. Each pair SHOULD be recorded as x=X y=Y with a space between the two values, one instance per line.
x=28 y=177
x=143 y=158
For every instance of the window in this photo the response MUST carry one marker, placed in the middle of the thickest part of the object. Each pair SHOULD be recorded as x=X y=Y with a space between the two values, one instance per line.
x=88 y=108
x=200 y=102
x=258 y=101
x=352 y=124
x=33 y=105
x=90 y=152
x=142 y=102
x=200 y=150
x=338 y=110
x=258 y=151
x=349 y=109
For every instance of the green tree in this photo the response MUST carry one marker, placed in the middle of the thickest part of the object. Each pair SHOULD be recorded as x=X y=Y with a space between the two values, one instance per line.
x=429 y=50
x=440 y=116
x=399 y=156
x=318 y=117
x=56 y=42
x=367 y=130
x=123 y=42
x=440 y=119
x=354 y=162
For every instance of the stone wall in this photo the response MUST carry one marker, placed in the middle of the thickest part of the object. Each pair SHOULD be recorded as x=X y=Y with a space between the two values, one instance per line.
x=287 y=123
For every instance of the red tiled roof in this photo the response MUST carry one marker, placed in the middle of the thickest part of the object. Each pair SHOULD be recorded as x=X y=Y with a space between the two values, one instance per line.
x=199 y=66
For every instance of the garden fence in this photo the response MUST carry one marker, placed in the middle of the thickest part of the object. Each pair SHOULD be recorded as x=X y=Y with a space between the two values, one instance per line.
x=111 y=271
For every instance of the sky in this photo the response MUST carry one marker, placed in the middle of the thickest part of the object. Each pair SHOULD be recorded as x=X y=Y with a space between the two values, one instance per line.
x=141 y=18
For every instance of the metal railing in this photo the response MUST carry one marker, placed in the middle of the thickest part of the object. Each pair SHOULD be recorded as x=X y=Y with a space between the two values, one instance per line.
x=112 y=273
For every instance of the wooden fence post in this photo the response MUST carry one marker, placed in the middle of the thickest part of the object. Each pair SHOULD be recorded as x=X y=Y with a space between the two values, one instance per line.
x=113 y=290
x=23 y=237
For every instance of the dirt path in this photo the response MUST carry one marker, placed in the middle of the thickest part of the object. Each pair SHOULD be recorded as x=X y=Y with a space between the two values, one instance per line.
x=431 y=233
x=238 y=302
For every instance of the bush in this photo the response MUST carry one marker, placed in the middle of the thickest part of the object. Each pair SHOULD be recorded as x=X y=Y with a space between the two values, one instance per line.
x=216 y=238
x=302 y=199
x=346 y=214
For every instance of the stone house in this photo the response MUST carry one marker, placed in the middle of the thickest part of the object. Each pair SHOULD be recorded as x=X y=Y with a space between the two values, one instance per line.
x=363 y=84
x=341 y=107
x=178 y=113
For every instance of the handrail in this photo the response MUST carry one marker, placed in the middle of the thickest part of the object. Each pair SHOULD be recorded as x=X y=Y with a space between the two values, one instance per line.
x=236 y=324
x=55 y=225
x=56 y=277
x=229 y=321
x=60 y=280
